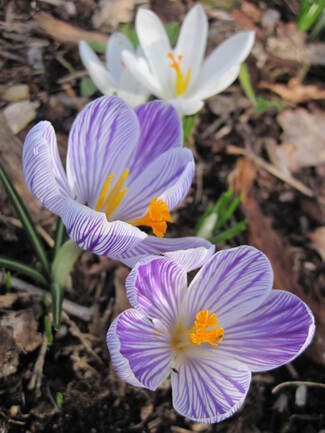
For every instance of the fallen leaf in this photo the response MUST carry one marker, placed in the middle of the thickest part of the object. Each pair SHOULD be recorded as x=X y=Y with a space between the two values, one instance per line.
x=317 y=238
x=9 y=356
x=303 y=138
x=121 y=301
x=295 y=91
x=65 y=32
x=264 y=237
x=111 y=13
x=18 y=92
x=20 y=114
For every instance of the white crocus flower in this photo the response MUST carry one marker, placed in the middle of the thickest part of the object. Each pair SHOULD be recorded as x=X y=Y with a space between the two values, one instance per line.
x=114 y=77
x=180 y=75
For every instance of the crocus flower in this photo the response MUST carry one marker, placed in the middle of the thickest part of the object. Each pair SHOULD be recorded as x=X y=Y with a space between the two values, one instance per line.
x=114 y=77
x=209 y=336
x=125 y=169
x=180 y=75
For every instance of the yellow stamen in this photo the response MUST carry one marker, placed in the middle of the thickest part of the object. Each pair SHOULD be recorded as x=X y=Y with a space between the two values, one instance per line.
x=181 y=83
x=157 y=217
x=115 y=196
x=205 y=329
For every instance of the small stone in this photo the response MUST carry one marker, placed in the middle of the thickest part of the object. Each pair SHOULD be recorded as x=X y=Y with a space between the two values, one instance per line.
x=20 y=114
x=301 y=396
x=18 y=92
x=14 y=410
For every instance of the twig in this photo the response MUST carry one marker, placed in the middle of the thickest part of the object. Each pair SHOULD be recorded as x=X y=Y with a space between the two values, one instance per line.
x=72 y=76
x=290 y=180
x=297 y=383
x=83 y=313
x=36 y=379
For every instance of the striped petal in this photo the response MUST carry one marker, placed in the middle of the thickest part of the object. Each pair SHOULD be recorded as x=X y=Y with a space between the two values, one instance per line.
x=102 y=141
x=145 y=346
x=92 y=232
x=168 y=177
x=43 y=171
x=231 y=284
x=272 y=335
x=156 y=286
x=189 y=252
x=209 y=388
x=160 y=130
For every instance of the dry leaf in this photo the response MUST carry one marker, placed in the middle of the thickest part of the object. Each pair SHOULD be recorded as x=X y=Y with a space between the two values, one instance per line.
x=20 y=114
x=121 y=301
x=318 y=241
x=18 y=92
x=9 y=357
x=303 y=138
x=113 y=12
x=295 y=91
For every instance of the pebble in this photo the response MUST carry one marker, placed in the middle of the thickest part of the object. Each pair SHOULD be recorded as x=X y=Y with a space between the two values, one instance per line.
x=17 y=92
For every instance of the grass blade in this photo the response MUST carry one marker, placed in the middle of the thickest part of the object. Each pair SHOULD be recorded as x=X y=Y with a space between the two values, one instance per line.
x=25 y=219
x=60 y=236
x=16 y=265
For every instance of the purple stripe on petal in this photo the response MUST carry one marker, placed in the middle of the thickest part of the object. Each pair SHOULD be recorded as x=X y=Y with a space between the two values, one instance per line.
x=271 y=335
x=231 y=284
x=209 y=388
x=168 y=177
x=145 y=346
x=43 y=171
x=156 y=286
x=92 y=232
x=102 y=141
x=190 y=252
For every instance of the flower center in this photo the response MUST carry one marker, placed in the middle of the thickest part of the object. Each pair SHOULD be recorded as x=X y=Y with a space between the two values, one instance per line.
x=182 y=82
x=205 y=329
x=157 y=217
x=114 y=198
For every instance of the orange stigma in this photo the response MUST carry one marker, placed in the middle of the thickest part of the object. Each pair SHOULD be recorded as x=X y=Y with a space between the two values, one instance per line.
x=205 y=329
x=157 y=217
x=182 y=82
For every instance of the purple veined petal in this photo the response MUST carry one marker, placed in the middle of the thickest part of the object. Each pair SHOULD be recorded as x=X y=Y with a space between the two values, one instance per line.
x=43 y=171
x=189 y=252
x=156 y=286
x=160 y=130
x=168 y=177
x=121 y=365
x=273 y=334
x=144 y=346
x=92 y=232
x=102 y=141
x=209 y=388
x=231 y=284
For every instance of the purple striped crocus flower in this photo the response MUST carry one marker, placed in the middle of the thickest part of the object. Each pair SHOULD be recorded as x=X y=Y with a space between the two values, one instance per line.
x=209 y=336
x=125 y=169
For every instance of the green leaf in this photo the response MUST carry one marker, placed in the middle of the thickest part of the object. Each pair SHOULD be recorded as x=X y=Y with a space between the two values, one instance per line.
x=130 y=33
x=16 y=265
x=310 y=10
x=57 y=299
x=87 y=87
x=263 y=105
x=60 y=235
x=64 y=261
x=202 y=220
x=230 y=233
x=188 y=125
x=245 y=81
x=25 y=219
x=8 y=281
x=59 y=399
x=172 y=30
x=48 y=330
x=99 y=47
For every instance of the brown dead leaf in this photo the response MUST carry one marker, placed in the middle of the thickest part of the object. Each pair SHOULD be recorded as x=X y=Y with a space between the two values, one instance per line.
x=17 y=92
x=111 y=13
x=317 y=238
x=121 y=301
x=64 y=32
x=23 y=327
x=295 y=91
x=303 y=138
x=263 y=236
x=8 y=300
x=9 y=357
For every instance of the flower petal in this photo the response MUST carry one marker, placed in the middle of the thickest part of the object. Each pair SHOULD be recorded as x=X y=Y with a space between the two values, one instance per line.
x=209 y=388
x=139 y=68
x=192 y=41
x=96 y=69
x=185 y=106
x=92 y=232
x=102 y=140
x=155 y=44
x=189 y=252
x=222 y=66
x=160 y=130
x=156 y=287
x=273 y=334
x=144 y=347
x=231 y=284
x=43 y=171
x=117 y=43
x=168 y=177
